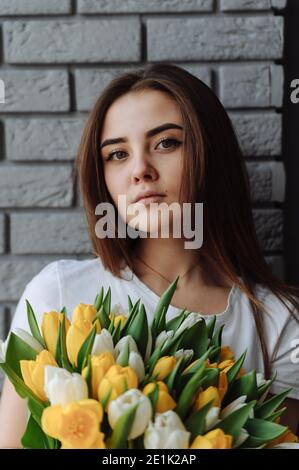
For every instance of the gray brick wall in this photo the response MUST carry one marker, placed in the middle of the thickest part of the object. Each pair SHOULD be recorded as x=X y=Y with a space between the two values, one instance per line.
x=56 y=58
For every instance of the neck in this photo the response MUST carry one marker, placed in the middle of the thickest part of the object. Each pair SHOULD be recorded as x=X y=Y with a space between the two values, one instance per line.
x=169 y=258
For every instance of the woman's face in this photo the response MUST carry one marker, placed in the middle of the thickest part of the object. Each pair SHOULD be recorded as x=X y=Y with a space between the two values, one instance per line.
x=138 y=155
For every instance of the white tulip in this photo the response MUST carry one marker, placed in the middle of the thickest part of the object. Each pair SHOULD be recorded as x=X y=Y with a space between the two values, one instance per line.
x=117 y=310
x=163 y=337
x=241 y=438
x=118 y=407
x=136 y=362
x=3 y=348
x=233 y=406
x=186 y=353
x=189 y=321
x=27 y=338
x=122 y=343
x=287 y=445
x=167 y=432
x=63 y=387
x=212 y=418
x=103 y=343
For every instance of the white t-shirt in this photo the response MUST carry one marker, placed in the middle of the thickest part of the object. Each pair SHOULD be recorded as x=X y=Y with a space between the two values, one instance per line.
x=70 y=282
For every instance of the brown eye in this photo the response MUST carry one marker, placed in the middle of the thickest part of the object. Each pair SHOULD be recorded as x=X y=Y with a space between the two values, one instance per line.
x=169 y=143
x=116 y=153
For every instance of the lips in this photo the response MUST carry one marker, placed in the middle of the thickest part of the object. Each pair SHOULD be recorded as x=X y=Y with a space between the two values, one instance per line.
x=148 y=194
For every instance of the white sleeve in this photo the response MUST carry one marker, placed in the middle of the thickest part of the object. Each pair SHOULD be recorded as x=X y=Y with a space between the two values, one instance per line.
x=43 y=293
x=285 y=359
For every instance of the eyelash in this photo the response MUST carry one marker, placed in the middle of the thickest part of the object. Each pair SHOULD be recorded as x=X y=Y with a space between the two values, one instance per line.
x=175 y=141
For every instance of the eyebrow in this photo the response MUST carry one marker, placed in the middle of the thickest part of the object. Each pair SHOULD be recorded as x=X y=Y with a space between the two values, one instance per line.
x=150 y=133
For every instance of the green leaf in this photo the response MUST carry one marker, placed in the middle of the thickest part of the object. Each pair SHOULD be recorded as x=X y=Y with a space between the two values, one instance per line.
x=277 y=414
x=123 y=358
x=132 y=315
x=164 y=302
x=235 y=421
x=216 y=341
x=130 y=303
x=271 y=405
x=139 y=330
x=245 y=385
x=107 y=303
x=33 y=325
x=116 y=333
x=18 y=350
x=195 y=424
x=211 y=326
x=153 y=396
x=187 y=395
x=98 y=300
x=63 y=351
x=34 y=437
x=63 y=310
x=36 y=408
x=103 y=318
x=106 y=398
x=176 y=322
x=196 y=338
x=261 y=431
x=86 y=348
x=111 y=327
x=122 y=429
x=88 y=376
x=175 y=374
x=263 y=388
x=234 y=370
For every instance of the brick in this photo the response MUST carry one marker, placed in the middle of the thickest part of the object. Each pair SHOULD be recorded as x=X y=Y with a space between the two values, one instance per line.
x=2 y=233
x=15 y=273
x=42 y=139
x=251 y=85
x=35 y=90
x=40 y=233
x=267 y=181
x=100 y=40
x=39 y=186
x=35 y=7
x=235 y=5
x=143 y=6
x=91 y=82
x=269 y=228
x=259 y=133
x=215 y=38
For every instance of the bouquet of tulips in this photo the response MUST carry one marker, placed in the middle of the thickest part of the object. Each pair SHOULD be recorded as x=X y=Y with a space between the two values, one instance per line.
x=109 y=380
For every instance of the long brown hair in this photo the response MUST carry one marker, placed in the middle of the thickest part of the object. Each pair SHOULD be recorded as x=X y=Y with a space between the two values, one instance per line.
x=214 y=172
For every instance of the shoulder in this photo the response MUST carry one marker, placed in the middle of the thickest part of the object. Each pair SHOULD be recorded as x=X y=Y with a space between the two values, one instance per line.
x=58 y=281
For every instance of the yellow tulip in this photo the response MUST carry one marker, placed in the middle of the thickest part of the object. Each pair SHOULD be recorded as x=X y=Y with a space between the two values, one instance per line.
x=86 y=311
x=222 y=384
x=163 y=367
x=117 y=380
x=50 y=326
x=226 y=365
x=120 y=318
x=76 y=335
x=76 y=425
x=99 y=366
x=215 y=439
x=226 y=353
x=33 y=372
x=165 y=401
x=211 y=393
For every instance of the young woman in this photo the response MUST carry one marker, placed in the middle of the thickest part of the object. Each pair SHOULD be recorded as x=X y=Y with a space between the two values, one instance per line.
x=160 y=129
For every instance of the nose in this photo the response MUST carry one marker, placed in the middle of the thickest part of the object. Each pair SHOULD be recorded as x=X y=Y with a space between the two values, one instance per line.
x=142 y=169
